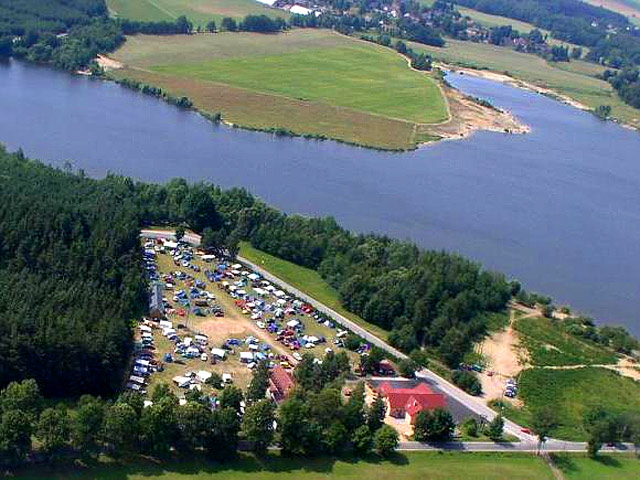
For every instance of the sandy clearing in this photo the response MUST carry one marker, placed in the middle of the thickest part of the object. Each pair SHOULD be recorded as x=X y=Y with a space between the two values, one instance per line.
x=506 y=359
x=468 y=117
x=108 y=63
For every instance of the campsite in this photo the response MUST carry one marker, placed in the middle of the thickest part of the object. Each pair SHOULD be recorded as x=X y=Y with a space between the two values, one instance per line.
x=211 y=317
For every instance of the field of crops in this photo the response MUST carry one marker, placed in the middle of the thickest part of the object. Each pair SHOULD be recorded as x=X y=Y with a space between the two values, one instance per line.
x=311 y=82
x=198 y=11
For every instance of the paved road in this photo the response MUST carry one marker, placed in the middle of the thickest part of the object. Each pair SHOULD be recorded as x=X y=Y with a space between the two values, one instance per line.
x=527 y=442
x=471 y=403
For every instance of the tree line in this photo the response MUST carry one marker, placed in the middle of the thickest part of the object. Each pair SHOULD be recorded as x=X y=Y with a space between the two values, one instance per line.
x=71 y=279
x=315 y=419
x=576 y=22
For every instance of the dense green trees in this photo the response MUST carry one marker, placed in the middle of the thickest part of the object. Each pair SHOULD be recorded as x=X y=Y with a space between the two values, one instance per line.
x=495 y=428
x=434 y=425
x=386 y=441
x=573 y=21
x=627 y=84
x=258 y=424
x=262 y=24
x=71 y=278
x=468 y=381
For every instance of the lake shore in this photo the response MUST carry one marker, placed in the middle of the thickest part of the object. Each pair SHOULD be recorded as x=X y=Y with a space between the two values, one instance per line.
x=503 y=78
x=466 y=116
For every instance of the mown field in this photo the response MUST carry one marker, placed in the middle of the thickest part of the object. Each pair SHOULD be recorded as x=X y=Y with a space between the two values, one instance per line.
x=406 y=466
x=200 y=12
x=575 y=79
x=606 y=467
x=311 y=82
x=549 y=344
x=573 y=392
x=306 y=280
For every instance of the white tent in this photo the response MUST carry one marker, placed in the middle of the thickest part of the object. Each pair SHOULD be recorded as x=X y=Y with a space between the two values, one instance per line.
x=203 y=375
x=293 y=323
x=246 y=356
x=219 y=352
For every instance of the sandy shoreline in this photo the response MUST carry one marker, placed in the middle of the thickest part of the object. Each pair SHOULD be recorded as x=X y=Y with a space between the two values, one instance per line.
x=506 y=79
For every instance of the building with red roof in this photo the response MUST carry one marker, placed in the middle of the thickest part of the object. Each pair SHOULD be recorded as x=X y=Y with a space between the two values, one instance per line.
x=408 y=402
x=280 y=383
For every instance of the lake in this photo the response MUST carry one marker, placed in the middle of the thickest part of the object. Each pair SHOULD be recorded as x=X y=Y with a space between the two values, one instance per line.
x=558 y=209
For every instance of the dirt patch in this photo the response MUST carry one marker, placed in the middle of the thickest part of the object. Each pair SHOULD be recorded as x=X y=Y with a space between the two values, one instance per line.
x=108 y=63
x=220 y=329
x=504 y=361
x=468 y=117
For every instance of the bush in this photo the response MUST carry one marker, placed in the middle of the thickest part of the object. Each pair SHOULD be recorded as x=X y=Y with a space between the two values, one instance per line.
x=468 y=381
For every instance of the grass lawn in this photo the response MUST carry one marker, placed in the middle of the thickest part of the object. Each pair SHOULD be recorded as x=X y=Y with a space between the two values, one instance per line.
x=549 y=344
x=200 y=12
x=606 y=467
x=311 y=82
x=575 y=391
x=575 y=79
x=308 y=281
x=406 y=466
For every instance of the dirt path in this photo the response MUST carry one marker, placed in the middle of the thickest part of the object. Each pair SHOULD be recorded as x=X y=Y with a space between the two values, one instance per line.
x=624 y=367
x=505 y=359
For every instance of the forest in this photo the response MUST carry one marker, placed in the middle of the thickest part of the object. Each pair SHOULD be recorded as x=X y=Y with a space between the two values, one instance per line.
x=71 y=279
x=613 y=39
x=627 y=84
x=315 y=419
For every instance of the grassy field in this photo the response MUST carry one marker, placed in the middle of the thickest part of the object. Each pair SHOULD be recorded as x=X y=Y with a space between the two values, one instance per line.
x=575 y=79
x=575 y=391
x=198 y=11
x=312 y=82
x=407 y=466
x=306 y=280
x=606 y=467
x=548 y=344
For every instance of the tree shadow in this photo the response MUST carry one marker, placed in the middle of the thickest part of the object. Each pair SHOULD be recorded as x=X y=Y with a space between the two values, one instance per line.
x=144 y=466
x=608 y=461
x=564 y=462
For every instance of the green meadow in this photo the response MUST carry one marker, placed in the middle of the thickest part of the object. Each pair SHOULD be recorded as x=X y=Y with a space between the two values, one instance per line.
x=573 y=392
x=311 y=82
x=404 y=466
x=200 y=12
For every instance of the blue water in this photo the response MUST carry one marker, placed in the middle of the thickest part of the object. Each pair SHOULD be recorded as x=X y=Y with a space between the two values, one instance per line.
x=558 y=209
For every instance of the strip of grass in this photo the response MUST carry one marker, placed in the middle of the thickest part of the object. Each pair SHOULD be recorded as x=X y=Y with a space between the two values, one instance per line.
x=308 y=281
x=605 y=467
x=406 y=466
x=575 y=79
x=200 y=12
x=549 y=344
x=574 y=392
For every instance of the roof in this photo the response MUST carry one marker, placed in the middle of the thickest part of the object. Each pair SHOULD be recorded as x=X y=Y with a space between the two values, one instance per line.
x=412 y=399
x=281 y=379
